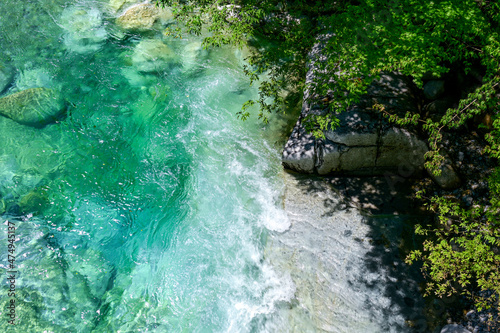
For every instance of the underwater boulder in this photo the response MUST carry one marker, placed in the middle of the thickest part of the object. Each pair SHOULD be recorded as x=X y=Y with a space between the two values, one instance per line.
x=8 y=170
x=33 y=107
x=153 y=55
x=84 y=29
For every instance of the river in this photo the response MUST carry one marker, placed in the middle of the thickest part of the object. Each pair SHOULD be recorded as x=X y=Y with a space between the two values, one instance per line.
x=149 y=207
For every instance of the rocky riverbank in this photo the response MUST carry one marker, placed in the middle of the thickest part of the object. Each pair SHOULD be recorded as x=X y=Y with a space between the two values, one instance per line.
x=366 y=144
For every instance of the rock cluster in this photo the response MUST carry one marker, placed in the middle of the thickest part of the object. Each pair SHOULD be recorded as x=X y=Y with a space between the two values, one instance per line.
x=474 y=321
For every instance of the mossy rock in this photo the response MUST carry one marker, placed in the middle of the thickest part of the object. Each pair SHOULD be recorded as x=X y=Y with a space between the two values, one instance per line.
x=33 y=107
x=139 y=17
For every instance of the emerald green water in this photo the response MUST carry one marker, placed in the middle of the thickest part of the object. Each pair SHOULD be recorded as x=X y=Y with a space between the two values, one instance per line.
x=147 y=207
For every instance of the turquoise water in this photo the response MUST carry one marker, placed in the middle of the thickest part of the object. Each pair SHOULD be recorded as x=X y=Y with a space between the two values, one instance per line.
x=147 y=207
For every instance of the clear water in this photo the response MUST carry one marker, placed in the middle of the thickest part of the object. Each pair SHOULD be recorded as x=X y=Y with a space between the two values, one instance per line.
x=147 y=207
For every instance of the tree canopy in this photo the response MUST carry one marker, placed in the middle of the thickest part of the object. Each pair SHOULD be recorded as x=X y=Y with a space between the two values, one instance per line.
x=361 y=40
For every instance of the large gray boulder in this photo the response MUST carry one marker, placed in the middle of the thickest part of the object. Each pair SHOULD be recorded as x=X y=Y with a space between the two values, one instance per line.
x=33 y=107
x=364 y=143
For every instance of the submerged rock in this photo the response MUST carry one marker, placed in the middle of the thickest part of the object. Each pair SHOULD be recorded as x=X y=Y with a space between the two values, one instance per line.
x=193 y=55
x=34 y=202
x=50 y=295
x=117 y=5
x=84 y=263
x=84 y=29
x=143 y=16
x=18 y=186
x=32 y=107
x=153 y=55
x=8 y=170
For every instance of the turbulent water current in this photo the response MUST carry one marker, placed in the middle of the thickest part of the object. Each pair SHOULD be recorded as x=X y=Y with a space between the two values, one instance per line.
x=147 y=205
